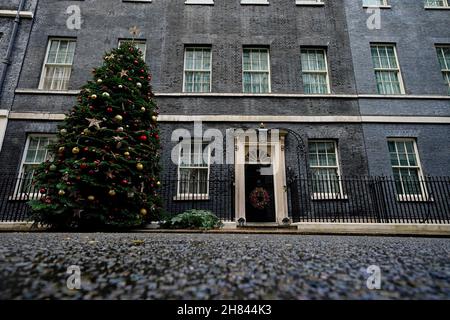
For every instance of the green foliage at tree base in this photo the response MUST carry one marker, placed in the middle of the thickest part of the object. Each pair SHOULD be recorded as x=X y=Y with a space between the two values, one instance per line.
x=193 y=219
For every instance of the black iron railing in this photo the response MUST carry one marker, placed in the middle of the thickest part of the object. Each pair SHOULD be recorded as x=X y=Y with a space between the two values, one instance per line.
x=351 y=199
x=370 y=200
x=178 y=195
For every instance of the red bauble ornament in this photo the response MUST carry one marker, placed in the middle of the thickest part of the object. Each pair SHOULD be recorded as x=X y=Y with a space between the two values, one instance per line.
x=109 y=109
x=42 y=190
x=91 y=107
x=136 y=62
x=156 y=137
x=91 y=172
x=85 y=149
x=124 y=181
x=129 y=79
x=83 y=165
x=142 y=70
x=143 y=138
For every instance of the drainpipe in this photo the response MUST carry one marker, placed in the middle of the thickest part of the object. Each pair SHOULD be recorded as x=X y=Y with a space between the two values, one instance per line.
x=7 y=60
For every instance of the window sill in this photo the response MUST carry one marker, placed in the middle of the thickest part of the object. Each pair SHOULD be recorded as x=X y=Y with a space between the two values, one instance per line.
x=191 y=197
x=309 y=3
x=328 y=196
x=13 y=14
x=437 y=8
x=40 y=91
x=204 y=2
x=255 y=2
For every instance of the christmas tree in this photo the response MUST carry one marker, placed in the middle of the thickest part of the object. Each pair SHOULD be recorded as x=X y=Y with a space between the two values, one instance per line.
x=106 y=160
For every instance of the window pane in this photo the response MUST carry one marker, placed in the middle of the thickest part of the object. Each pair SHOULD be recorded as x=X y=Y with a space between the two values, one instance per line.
x=193 y=175
x=405 y=171
x=247 y=82
x=54 y=44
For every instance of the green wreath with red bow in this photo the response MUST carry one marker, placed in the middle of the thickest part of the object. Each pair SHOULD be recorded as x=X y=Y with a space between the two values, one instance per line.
x=259 y=198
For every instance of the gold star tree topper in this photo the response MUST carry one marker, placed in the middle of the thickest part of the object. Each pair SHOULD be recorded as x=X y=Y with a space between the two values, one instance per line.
x=134 y=31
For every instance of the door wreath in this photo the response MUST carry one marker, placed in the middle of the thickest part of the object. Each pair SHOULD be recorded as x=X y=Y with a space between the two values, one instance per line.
x=259 y=198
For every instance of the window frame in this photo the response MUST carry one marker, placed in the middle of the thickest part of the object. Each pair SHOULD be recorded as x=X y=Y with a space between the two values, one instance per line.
x=327 y=195
x=141 y=41
x=309 y=2
x=189 y=195
x=18 y=194
x=446 y=71
x=398 y=69
x=384 y=4
x=327 y=71
x=407 y=197
x=197 y=70
x=269 y=71
x=446 y=5
x=44 y=66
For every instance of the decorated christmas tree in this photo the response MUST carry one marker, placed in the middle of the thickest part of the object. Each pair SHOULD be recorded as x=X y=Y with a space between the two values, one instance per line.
x=105 y=170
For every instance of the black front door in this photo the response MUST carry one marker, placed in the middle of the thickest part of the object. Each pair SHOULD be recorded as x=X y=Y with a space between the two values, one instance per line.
x=259 y=193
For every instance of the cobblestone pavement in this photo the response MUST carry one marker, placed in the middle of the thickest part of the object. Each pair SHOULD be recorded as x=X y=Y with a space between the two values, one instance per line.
x=221 y=266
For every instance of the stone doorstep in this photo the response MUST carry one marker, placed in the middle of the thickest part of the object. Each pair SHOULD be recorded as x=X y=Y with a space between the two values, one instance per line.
x=394 y=229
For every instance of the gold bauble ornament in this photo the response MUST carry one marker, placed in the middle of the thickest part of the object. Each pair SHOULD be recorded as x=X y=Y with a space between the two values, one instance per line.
x=61 y=192
x=76 y=150
x=143 y=211
x=139 y=85
x=105 y=94
x=61 y=149
x=112 y=193
x=118 y=117
x=158 y=183
x=53 y=167
x=99 y=80
x=120 y=129
x=143 y=109
x=94 y=96
x=140 y=166
x=63 y=131
x=91 y=198
x=154 y=118
x=126 y=154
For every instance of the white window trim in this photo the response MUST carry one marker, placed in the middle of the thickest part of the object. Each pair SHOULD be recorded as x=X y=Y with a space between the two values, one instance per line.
x=328 y=195
x=423 y=190
x=446 y=70
x=445 y=6
x=327 y=71
x=196 y=70
x=268 y=66
x=309 y=2
x=398 y=69
x=193 y=196
x=17 y=194
x=141 y=41
x=211 y=2
x=256 y=2
x=384 y=5
x=44 y=66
